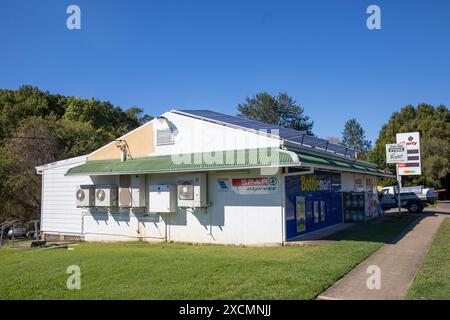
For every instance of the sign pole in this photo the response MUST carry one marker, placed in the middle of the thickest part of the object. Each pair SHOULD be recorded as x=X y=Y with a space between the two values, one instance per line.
x=397 y=153
x=399 y=186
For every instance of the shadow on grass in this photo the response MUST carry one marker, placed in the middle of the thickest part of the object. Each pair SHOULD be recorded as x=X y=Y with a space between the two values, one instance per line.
x=390 y=228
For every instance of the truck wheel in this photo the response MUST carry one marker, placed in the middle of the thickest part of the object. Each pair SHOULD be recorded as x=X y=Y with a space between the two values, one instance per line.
x=415 y=207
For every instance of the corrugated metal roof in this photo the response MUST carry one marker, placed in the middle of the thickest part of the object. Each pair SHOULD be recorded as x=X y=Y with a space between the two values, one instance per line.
x=219 y=160
x=310 y=160
x=234 y=159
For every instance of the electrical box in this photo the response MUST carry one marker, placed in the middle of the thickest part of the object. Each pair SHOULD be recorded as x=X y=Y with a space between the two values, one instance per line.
x=106 y=196
x=85 y=195
x=192 y=191
x=132 y=191
x=163 y=198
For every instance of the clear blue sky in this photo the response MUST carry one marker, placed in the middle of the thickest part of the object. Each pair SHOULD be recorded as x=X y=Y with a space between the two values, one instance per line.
x=212 y=54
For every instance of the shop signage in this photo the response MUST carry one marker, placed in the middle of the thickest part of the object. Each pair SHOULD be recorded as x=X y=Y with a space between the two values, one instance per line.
x=259 y=185
x=396 y=153
x=315 y=183
x=412 y=165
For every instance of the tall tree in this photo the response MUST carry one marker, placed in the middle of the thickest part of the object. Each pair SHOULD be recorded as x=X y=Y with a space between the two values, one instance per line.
x=433 y=124
x=281 y=110
x=138 y=114
x=33 y=143
x=37 y=127
x=353 y=136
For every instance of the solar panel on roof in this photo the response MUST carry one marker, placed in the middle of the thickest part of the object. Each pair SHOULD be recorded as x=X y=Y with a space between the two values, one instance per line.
x=291 y=135
x=336 y=147
x=228 y=119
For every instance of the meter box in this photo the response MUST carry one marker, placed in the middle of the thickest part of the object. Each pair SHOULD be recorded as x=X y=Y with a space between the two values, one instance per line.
x=163 y=198
x=192 y=191
x=132 y=191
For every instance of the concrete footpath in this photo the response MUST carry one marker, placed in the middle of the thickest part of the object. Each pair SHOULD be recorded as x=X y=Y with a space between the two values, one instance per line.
x=398 y=263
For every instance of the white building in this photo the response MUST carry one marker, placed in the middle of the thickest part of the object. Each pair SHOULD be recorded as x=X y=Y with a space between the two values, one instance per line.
x=201 y=176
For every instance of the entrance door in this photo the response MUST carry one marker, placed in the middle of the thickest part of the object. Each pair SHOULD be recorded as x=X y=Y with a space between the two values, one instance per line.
x=321 y=216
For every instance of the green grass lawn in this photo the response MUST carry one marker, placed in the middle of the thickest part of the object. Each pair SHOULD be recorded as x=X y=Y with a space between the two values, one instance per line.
x=182 y=271
x=433 y=279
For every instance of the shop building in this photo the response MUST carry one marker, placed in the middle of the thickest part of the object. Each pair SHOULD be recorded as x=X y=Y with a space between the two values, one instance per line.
x=203 y=176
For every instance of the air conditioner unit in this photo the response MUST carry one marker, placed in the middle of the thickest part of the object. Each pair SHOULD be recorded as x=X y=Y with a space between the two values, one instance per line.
x=192 y=191
x=85 y=196
x=163 y=198
x=132 y=191
x=106 y=196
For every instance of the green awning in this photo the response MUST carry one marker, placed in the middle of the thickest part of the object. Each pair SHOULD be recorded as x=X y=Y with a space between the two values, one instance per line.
x=219 y=160
x=340 y=165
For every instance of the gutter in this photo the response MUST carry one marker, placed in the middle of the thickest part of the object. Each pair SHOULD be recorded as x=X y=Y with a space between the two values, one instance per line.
x=319 y=166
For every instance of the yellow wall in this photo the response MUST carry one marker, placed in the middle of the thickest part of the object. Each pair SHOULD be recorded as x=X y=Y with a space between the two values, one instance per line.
x=139 y=141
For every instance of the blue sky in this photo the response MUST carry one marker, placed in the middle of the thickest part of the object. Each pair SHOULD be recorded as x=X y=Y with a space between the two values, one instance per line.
x=211 y=54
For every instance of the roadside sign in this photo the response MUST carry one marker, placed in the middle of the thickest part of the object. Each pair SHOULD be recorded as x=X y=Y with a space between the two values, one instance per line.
x=412 y=165
x=396 y=153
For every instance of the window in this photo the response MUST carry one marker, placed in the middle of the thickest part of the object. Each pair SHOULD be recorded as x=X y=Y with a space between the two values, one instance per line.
x=164 y=137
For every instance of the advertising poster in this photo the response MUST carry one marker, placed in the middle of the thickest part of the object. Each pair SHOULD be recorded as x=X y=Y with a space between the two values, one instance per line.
x=323 y=211
x=316 y=211
x=300 y=213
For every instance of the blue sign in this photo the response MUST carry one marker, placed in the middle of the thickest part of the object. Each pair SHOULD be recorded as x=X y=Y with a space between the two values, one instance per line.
x=312 y=202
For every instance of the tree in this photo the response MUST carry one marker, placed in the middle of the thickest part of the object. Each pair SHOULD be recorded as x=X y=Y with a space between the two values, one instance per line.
x=353 y=136
x=37 y=127
x=101 y=115
x=433 y=124
x=33 y=143
x=137 y=113
x=281 y=110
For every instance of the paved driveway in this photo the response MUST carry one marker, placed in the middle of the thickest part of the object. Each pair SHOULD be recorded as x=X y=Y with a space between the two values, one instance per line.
x=397 y=263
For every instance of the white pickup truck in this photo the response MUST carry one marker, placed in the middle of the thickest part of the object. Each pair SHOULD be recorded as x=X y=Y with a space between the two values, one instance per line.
x=412 y=198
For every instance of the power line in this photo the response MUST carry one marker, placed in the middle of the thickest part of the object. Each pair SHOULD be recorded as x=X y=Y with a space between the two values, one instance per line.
x=25 y=137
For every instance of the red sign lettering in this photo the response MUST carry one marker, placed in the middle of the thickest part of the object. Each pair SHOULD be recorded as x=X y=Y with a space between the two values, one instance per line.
x=250 y=182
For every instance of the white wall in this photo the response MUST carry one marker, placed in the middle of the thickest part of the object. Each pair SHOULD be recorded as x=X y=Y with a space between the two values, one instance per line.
x=348 y=181
x=59 y=213
x=104 y=226
x=120 y=224
x=231 y=218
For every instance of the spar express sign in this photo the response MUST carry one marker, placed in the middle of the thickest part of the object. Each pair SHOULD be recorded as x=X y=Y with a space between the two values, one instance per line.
x=258 y=185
